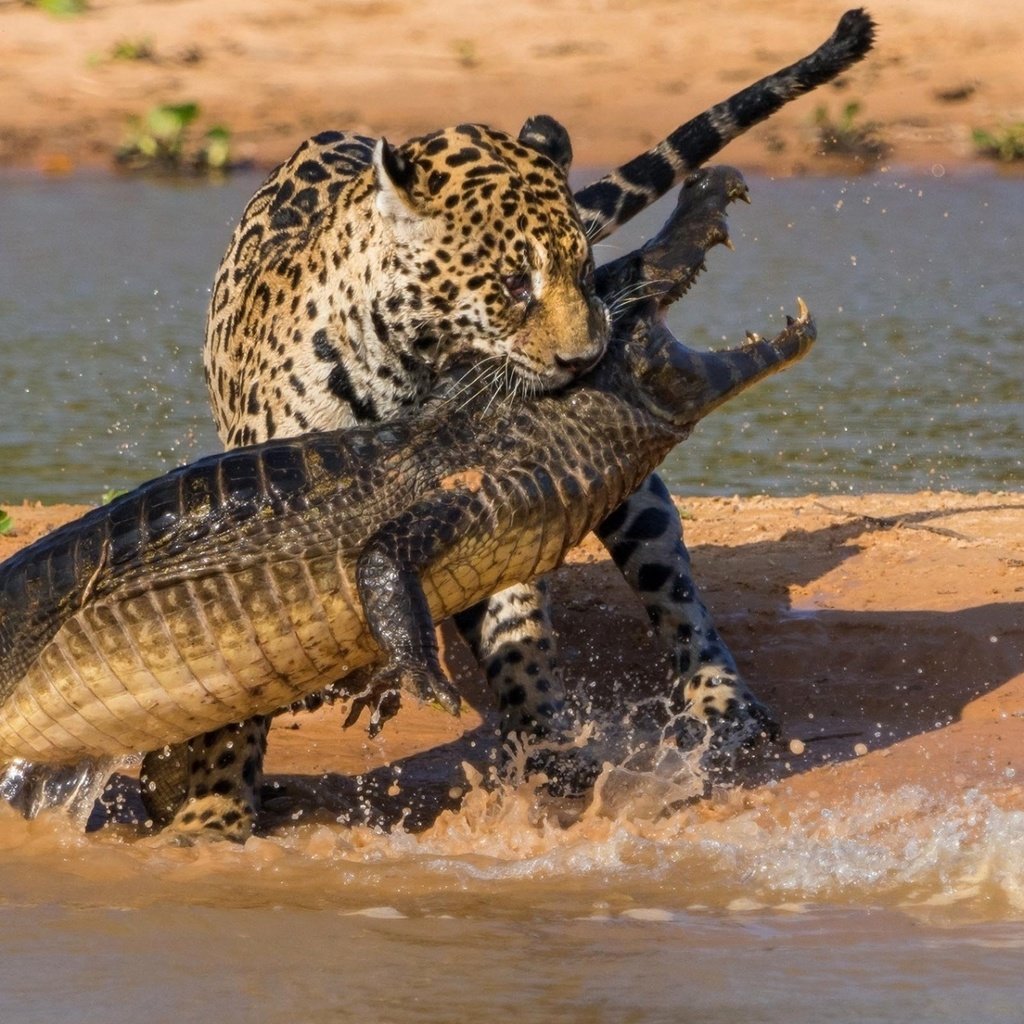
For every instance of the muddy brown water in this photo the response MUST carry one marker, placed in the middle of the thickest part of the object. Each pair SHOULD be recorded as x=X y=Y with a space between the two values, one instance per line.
x=889 y=909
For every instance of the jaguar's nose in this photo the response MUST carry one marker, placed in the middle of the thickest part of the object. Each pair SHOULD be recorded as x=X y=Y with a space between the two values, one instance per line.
x=576 y=365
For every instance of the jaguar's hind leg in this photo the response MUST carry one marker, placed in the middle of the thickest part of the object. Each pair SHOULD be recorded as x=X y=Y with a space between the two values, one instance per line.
x=208 y=787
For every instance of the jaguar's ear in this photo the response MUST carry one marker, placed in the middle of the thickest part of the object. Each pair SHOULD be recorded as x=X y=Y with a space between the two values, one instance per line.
x=546 y=135
x=395 y=176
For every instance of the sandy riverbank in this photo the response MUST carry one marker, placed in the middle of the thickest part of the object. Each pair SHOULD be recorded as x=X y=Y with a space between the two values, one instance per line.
x=886 y=630
x=619 y=73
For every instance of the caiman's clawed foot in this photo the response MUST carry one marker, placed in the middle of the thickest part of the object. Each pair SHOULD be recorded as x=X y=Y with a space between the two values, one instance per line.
x=431 y=687
x=383 y=685
x=373 y=690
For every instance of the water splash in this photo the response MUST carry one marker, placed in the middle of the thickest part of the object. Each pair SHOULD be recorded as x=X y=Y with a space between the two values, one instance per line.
x=73 y=789
x=646 y=841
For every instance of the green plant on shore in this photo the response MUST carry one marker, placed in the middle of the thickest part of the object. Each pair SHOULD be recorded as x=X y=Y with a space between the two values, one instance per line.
x=159 y=136
x=1004 y=144
x=216 y=152
x=849 y=137
x=6 y=522
x=158 y=141
x=111 y=493
x=133 y=49
x=61 y=8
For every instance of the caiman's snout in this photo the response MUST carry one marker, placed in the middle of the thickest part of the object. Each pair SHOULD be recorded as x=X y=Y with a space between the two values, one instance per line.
x=682 y=385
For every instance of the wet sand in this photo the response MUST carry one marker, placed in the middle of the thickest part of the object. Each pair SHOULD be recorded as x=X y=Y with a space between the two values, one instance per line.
x=887 y=631
x=619 y=75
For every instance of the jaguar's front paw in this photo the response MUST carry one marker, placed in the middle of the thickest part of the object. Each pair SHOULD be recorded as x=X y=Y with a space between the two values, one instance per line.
x=738 y=723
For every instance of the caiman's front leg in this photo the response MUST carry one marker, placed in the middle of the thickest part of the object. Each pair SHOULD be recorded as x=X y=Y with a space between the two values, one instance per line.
x=399 y=619
x=208 y=786
x=398 y=616
x=644 y=537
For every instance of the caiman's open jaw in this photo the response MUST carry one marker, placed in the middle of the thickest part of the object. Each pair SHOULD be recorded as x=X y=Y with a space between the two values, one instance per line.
x=644 y=283
x=682 y=385
x=678 y=384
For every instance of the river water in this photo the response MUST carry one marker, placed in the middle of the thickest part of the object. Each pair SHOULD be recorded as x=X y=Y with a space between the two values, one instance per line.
x=895 y=906
x=888 y=909
x=915 y=382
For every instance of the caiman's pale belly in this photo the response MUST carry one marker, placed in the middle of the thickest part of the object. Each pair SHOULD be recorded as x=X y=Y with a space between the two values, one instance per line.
x=171 y=663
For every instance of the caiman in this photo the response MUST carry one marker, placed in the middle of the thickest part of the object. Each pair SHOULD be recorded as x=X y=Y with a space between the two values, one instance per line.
x=240 y=583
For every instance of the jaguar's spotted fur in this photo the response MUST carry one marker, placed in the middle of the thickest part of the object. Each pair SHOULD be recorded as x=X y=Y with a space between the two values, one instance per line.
x=360 y=269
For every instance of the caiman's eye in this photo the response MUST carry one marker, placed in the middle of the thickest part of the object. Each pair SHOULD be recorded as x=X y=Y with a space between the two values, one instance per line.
x=519 y=287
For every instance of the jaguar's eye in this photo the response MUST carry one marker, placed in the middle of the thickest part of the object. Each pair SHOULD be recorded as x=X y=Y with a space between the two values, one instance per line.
x=519 y=287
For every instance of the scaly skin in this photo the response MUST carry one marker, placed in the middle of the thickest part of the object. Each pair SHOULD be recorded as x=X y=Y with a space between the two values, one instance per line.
x=239 y=584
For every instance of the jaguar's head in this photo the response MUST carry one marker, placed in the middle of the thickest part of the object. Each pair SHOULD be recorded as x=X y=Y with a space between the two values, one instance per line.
x=486 y=255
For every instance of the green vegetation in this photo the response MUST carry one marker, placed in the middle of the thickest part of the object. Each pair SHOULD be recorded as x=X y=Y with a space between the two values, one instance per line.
x=1005 y=144
x=847 y=137
x=6 y=522
x=216 y=152
x=158 y=138
x=133 y=49
x=111 y=493
x=61 y=8
x=159 y=141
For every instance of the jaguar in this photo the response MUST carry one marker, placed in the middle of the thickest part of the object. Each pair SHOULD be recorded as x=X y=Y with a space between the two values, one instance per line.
x=360 y=271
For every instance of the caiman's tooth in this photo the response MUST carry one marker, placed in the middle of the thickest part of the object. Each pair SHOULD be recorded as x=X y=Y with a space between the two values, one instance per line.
x=801 y=307
x=727 y=242
x=753 y=337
